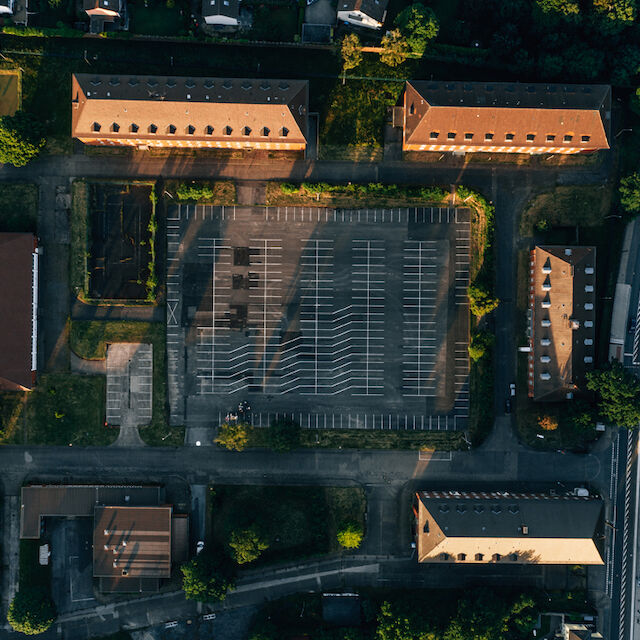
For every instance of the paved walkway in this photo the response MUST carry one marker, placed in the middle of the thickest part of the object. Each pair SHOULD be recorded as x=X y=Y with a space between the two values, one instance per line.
x=87 y=367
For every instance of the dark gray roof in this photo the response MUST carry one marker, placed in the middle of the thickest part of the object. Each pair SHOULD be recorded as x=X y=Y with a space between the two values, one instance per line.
x=492 y=515
x=230 y=8
x=513 y=94
x=375 y=9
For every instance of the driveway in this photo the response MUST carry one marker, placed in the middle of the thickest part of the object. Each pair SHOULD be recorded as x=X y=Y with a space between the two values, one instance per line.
x=320 y=12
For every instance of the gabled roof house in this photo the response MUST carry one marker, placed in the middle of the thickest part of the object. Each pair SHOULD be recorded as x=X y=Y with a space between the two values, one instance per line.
x=161 y=111
x=223 y=13
x=478 y=527
x=562 y=299
x=19 y=260
x=363 y=13
x=504 y=117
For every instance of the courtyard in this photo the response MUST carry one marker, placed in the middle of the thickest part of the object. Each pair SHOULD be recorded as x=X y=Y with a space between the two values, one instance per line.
x=336 y=318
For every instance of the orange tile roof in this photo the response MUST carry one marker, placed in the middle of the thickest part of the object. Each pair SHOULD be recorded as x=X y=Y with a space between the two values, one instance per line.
x=109 y=107
x=562 y=300
x=507 y=115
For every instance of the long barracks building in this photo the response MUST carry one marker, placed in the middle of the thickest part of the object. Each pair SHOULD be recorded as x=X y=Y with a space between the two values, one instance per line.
x=143 y=112
x=501 y=117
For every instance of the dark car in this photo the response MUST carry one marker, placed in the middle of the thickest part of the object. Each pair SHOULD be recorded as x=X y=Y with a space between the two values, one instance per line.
x=507 y=405
x=631 y=327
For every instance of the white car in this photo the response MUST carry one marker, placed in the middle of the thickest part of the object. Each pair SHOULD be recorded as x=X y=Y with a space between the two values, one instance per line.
x=199 y=546
x=512 y=389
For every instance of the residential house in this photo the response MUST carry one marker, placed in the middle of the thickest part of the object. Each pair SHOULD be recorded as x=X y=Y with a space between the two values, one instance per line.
x=105 y=15
x=478 y=527
x=504 y=117
x=562 y=300
x=363 y=13
x=16 y=9
x=136 y=537
x=156 y=111
x=222 y=13
x=19 y=261
x=579 y=631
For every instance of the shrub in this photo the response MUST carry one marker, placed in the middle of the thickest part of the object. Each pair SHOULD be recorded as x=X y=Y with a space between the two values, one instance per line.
x=630 y=194
x=247 y=544
x=350 y=535
x=433 y=194
x=619 y=394
x=480 y=343
x=31 y=611
x=548 y=423
x=481 y=301
x=21 y=138
x=207 y=577
x=288 y=188
x=233 y=436
x=194 y=191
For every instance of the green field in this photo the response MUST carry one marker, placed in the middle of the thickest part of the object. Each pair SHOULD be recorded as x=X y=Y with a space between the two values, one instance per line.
x=297 y=522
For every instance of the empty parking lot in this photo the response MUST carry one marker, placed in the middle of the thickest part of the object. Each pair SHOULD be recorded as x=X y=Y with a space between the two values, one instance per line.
x=339 y=318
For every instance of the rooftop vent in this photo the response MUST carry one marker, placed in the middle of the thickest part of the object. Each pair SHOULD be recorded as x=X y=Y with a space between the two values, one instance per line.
x=152 y=83
x=125 y=572
x=171 y=83
x=190 y=84
x=265 y=86
x=246 y=85
x=496 y=508
x=478 y=508
x=133 y=82
x=461 y=508
x=444 y=508
x=227 y=84
x=514 y=508
x=114 y=82
x=283 y=86
x=96 y=82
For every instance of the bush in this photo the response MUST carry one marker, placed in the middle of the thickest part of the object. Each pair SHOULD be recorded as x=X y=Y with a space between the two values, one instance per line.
x=433 y=194
x=207 y=577
x=284 y=435
x=350 y=536
x=481 y=301
x=480 y=343
x=619 y=394
x=31 y=611
x=194 y=191
x=247 y=544
x=287 y=188
x=21 y=138
x=630 y=194
x=548 y=423
x=233 y=436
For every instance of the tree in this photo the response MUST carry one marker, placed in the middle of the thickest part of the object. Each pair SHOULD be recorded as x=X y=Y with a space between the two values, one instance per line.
x=284 y=434
x=619 y=394
x=480 y=343
x=207 y=577
x=350 y=535
x=629 y=191
x=394 y=49
x=31 y=611
x=583 y=62
x=481 y=301
x=419 y=25
x=233 y=436
x=614 y=15
x=351 y=51
x=20 y=139
x=247 y=544
x=548 y=423
x=564 y=8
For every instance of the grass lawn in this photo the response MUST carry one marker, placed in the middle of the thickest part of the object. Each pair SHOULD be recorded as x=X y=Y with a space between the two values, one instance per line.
x=369 y=439
x=156 y=20
x=31 y=573
x=78 y=250
x=89 y=339
x=12 y=404
x=296 y=521
x=274 y=23
x=481 y=408
x=18 y=206
x=68 y=409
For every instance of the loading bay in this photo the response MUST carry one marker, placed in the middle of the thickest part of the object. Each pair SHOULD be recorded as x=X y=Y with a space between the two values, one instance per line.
x=337 y=318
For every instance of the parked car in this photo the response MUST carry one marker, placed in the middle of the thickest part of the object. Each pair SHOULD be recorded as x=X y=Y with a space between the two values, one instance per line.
x=507 y=405
x=512 y=389
x=199 y=547
x=632 y=324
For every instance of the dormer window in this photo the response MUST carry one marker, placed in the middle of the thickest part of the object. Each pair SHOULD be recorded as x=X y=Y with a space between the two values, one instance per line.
x=434 y=135
x=284 y=132
x=227 y=131
x=479 y=557
x=412 y=109
x=531 y=137
x=488 y=136
x=468 y=136
x=95 y=126
x=265 y=132
x=550 y=137
x=115 y=127
x=153 y=128
x=171 y=129
x=209 y=130
x=246 y=131
x=191 y=130
x=585 y=138
x=509 y=137
x=451 y=135
x=462 y=557
x=568 y=138
x=134 y=127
